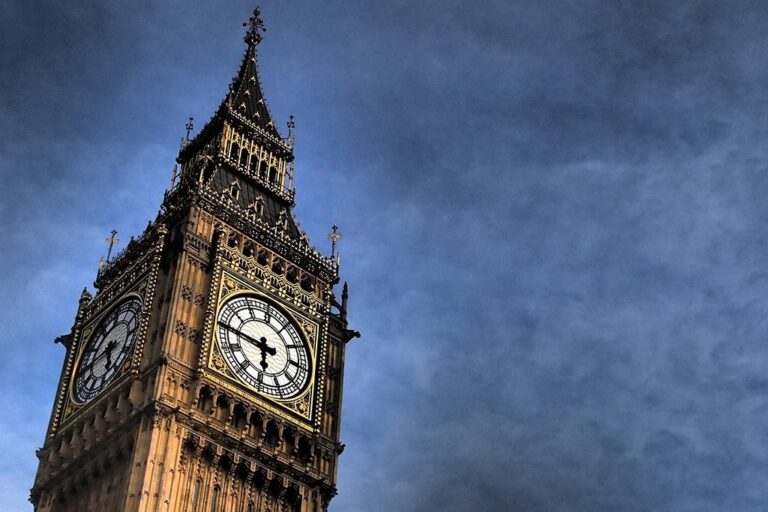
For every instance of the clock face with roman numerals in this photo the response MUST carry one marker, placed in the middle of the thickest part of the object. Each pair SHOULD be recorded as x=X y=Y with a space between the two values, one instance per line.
x=262 y=347
x=109 y=347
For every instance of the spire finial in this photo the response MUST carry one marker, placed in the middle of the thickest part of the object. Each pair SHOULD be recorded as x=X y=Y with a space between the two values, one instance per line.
x=334 y=237
x=112 y=241
x=291 y=126
x=189 y=127
x=255 y=27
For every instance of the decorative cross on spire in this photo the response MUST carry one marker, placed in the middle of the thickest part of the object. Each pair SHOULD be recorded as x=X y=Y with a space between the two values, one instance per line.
x=189 y=126
x=334 y=237
x=291 y=126
x=112 y=241
x=255 y=27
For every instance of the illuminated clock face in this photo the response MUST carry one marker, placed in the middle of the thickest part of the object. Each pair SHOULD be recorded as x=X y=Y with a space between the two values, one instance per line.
x=263 y=347
x=109 y=347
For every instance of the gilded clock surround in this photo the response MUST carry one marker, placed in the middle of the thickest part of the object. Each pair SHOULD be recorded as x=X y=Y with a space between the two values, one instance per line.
x=139 y=279
x=175 y=430
x=230 y=287
x=88 y=339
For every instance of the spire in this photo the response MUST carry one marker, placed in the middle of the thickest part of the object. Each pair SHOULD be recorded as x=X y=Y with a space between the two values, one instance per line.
x=245 y=96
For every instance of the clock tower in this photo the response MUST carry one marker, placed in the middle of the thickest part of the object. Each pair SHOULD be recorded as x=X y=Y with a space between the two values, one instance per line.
x=205 y=373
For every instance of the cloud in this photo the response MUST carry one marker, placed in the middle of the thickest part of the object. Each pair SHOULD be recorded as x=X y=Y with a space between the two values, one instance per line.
x=553 y=218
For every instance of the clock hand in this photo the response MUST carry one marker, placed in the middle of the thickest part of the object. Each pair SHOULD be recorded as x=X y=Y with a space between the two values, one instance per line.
x=93 y=362
x=261 y=344
x=108 y=352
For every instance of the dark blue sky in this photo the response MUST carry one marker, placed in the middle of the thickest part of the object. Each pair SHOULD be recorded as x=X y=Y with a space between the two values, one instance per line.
x=554 y=224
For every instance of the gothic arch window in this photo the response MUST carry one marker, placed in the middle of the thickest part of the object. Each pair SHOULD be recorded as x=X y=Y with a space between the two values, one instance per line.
x=244 y=157
x=233 y=240
x=222 y=408
x=272 y=174
x=250 y=506
x=307 y=283
x=254 y=424
x=205 y=399
x=215 y=498
x=282 y=219
x=234 y=152
x=263 y=170
x=289 y=437
x=305 y=449
x=257 y=206
x=262 y=257
x=247 y=248
x=273 y=434
x=234 y=190
x=239 y=416
x=196 y=496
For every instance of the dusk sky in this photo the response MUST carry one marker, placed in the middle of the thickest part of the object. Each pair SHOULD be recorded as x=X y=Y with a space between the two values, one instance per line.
x=554 y=219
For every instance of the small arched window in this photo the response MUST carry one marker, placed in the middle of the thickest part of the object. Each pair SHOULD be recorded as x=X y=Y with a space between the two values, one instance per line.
x=257 y=206
x=248 y=249
x=233 y=239
x=196 y=495
x=254 y=424
x=222 y=408
x=273 y=434
x=234 y=190
x=234 y=152
x=244 y=157
x=205 y=400
x=239 y=416
x=215 y=499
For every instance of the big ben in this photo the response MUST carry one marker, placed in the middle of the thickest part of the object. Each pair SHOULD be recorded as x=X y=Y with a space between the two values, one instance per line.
x=205 y=372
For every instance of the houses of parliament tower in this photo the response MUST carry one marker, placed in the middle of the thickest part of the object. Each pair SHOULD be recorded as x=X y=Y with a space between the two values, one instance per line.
x=205 y=373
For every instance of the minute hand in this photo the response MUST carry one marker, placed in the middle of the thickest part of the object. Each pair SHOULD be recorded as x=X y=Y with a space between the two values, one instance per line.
x=260 y=344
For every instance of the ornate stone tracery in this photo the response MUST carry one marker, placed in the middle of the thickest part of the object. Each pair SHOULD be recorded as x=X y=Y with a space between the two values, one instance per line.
x=176 y=429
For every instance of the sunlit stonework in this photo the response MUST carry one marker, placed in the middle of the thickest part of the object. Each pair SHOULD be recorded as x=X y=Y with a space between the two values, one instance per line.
x=205 y=374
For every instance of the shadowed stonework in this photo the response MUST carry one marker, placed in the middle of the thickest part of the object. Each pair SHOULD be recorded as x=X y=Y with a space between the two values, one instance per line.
x=206 y=372
x=553 y=218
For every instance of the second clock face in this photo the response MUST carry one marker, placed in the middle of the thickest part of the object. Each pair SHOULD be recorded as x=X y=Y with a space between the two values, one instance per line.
x=263 y=347
x=108 y=349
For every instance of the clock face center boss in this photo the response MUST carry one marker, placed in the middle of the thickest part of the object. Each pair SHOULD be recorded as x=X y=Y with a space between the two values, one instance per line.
x=262 y=347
